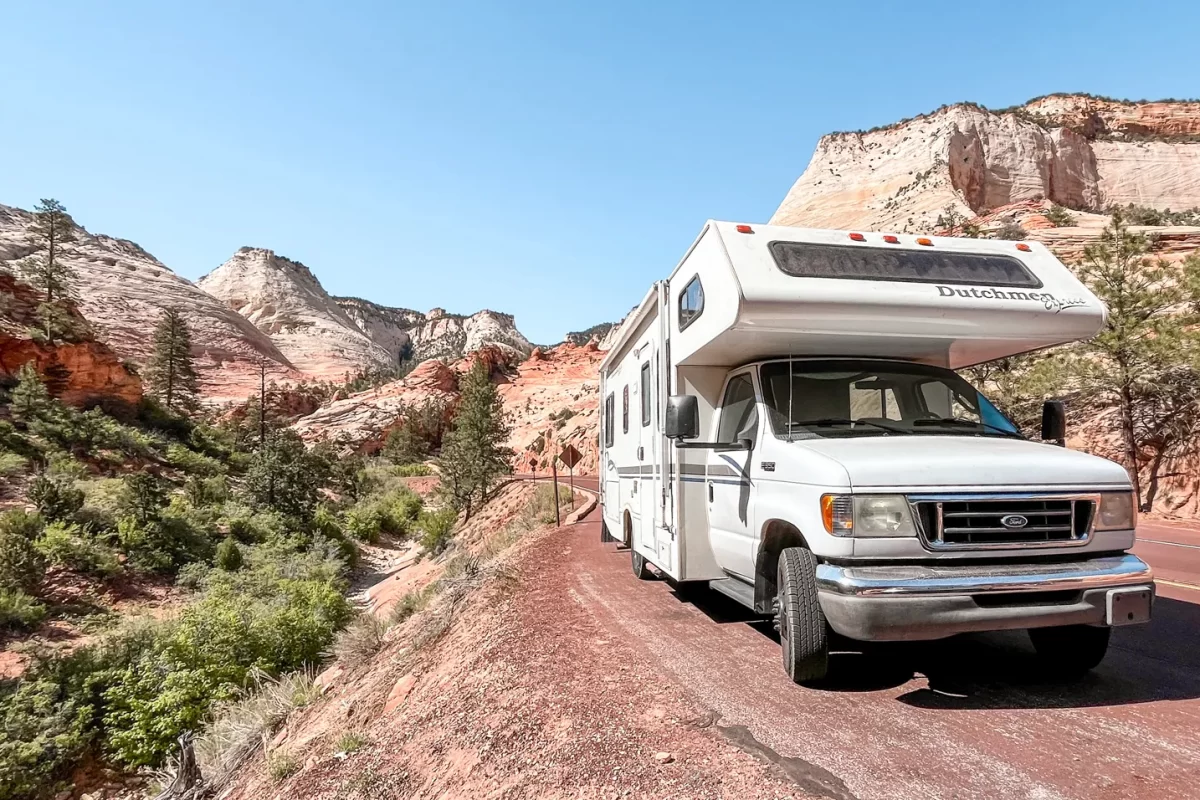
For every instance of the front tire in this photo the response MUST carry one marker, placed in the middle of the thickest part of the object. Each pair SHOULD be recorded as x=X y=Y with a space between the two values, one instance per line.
x=641 y=567
x=1070 y=651
x=803 y=631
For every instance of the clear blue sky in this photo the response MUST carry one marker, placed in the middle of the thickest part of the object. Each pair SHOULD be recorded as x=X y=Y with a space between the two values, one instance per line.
x=545 y=159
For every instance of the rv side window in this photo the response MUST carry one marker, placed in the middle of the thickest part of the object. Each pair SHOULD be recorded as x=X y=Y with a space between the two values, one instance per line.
x=646 y=394
x=609 y=419
x=739 y=413
x=691 y=302
x=625 y=409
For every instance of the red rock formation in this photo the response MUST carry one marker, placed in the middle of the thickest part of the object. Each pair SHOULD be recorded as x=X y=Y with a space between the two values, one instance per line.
x=551 y=401
x=93 y=371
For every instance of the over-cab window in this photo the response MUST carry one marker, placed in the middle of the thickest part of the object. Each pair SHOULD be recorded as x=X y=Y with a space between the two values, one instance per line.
x=646 y=394
x=691 y=302
x=625 y=409
x=805 y=260
x=609 y=419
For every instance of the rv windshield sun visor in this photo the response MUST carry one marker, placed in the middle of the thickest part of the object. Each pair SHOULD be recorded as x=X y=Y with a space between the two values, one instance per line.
x=849 y=262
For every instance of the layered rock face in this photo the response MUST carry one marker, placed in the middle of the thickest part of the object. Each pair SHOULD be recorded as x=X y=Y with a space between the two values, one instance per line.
x=550 y=398
x=436 y=334
x=1076 y=151
x=90 y=370
x=121 y=291
x=284 y=300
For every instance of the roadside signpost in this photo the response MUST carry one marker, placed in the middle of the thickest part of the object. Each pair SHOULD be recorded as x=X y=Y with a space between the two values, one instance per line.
x=570 y=456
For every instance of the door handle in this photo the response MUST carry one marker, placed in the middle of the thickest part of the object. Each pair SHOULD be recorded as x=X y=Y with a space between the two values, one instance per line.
x=710 y=491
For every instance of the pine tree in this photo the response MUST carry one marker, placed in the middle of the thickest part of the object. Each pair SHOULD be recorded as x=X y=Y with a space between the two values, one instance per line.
x=171 y=371
x=474 y=453
x=30 y=398
x=406 y=444
x=1148 y=342
x=51 y=234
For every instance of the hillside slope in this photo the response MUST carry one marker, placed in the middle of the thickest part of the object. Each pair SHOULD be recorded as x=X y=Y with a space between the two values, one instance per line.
x=1077 y=151
x=121 y=290
x=550 y=396
x=284 y=300
x=436 y=334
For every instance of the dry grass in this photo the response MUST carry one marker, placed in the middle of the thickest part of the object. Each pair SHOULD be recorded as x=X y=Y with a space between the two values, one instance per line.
x=361 y=639
x=240 y=727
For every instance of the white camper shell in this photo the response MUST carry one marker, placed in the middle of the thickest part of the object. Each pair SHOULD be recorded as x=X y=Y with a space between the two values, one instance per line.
x=821 y=366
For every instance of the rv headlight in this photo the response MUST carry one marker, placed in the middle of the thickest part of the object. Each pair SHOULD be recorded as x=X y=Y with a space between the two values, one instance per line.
x=867 y=515
x=1117 y=512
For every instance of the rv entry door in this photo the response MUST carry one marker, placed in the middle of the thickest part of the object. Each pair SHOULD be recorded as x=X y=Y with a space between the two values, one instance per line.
x=728 y=480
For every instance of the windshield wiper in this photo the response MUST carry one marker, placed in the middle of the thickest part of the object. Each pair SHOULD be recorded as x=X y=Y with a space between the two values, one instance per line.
x=827 y=421
x=968 y=423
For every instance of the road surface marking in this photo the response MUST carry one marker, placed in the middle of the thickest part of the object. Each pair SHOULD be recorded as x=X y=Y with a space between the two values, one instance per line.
x=1171 y=544
x=1177 y=584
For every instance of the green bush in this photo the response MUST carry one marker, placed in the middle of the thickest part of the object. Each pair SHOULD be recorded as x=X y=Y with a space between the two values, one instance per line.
x=249 y=526
x=19 y=611
x=43 y=728
x=229 y=555
x=437 y=528
x=364 y=522
x=211 y=491
x=413 y=470
x=12 y=464
x=66 y=466
x=68 y=546
x=193 y=463
x=1059 y=217
x=256 y=623
x=22 y=567
x=163 y=545
x=145 y=496
x=55 y=498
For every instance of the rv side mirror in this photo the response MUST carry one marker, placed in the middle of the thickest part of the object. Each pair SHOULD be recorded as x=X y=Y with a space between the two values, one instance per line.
x=683 y=417
x=1054 y=422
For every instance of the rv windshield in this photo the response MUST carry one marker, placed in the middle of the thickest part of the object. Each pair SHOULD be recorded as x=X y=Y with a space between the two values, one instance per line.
x=842 y=398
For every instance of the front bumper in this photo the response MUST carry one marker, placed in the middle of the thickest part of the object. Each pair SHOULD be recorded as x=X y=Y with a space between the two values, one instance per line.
x=893 y=603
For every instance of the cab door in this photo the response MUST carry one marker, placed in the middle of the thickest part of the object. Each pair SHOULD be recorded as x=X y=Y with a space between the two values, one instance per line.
x=728 y=478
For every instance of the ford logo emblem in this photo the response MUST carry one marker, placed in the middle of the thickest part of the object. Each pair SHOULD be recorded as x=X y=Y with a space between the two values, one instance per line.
x=1014 y=521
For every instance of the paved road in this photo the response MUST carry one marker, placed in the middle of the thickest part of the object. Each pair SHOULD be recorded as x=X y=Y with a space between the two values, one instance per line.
x=963 y=718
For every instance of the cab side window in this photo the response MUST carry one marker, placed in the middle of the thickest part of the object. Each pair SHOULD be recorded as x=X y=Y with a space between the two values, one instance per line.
x=739 y=412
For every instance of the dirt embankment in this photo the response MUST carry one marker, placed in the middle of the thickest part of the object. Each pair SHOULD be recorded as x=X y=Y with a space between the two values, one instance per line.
x=510 y=689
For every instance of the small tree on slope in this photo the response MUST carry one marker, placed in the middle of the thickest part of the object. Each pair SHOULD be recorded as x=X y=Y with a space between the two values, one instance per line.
x=1148 y=343
x=171 y=371
x=51 y=234
x=474 y=452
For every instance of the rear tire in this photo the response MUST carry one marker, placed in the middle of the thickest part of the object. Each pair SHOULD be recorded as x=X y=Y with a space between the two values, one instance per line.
x=1070 y=651
x=605 y=536
x=641 y=567
x=803 y=631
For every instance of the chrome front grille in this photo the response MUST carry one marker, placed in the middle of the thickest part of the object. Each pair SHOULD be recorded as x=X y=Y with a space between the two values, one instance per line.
x=1004 y=521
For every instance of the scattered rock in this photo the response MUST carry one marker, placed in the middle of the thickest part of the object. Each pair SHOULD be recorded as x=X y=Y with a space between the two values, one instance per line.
x=664 y=757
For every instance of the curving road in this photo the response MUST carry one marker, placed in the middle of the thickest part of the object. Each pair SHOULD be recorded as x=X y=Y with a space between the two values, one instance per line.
x=958 y=719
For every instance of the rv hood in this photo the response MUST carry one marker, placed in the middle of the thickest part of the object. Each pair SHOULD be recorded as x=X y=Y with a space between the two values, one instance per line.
x=889 y=462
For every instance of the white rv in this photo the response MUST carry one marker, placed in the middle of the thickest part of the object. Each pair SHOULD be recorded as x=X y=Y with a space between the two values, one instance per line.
x=782 y=420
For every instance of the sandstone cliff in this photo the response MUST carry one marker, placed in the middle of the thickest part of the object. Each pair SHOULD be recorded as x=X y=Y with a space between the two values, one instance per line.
x=121 y=291
x=90 y=370
x=436 y=334
x=285 y=301
x=550 y=398
x=1077 y=151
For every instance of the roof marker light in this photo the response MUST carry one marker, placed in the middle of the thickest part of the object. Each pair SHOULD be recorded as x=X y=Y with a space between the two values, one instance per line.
x=744 y=229
x=892 y=239
x=858 y=237
x=925 y=241
x=1024 y=248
